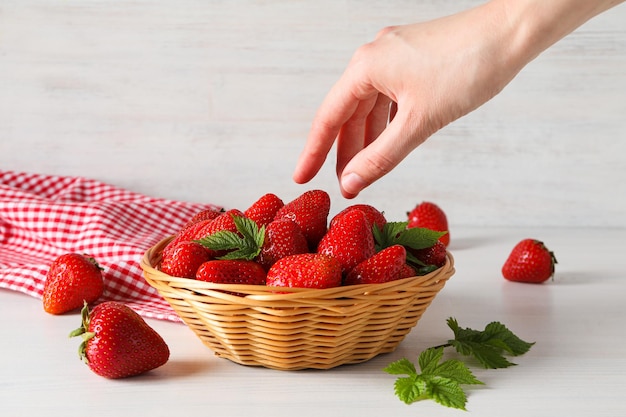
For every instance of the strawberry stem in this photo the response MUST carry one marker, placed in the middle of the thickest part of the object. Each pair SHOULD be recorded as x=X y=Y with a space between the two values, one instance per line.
x=82 y=331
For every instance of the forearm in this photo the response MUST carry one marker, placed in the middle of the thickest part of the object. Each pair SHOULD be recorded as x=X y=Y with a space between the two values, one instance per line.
x=535 y=25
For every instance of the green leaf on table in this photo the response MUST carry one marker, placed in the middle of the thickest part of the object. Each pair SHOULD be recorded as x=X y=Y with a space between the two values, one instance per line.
x=438 y=381
x=487 y=346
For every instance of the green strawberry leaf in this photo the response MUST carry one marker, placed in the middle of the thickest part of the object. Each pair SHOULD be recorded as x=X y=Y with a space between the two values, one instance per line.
x=409 y=389
x=397 y=233
x=447 y=392
x=442 y=381
x=487 y=346
x=401 y=367
x=439 y=381
x=243 y=245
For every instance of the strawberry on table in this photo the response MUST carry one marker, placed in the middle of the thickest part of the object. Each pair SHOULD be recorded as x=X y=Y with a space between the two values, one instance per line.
x=309 y=211
x=118 y=343
x=305 y=270
x=529 y=261
x=430 y=216
x=384 y=266
x=72 y=280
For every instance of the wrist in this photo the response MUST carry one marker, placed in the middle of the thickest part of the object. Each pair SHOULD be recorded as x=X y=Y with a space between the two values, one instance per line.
x=532 y=26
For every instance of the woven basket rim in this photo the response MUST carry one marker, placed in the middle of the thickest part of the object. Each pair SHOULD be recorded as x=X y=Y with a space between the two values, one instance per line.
x=268 y=293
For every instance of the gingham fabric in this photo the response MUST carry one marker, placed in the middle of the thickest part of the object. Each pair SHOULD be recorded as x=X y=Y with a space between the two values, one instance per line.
x=45 y=216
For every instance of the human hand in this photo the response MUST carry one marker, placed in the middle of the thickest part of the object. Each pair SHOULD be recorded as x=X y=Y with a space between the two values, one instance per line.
x=433 y=73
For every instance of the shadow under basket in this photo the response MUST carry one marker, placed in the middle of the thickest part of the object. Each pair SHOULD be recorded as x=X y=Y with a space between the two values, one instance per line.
x=298 y=328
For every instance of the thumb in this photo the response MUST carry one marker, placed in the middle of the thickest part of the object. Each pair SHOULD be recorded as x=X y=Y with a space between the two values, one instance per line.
x=381 y=156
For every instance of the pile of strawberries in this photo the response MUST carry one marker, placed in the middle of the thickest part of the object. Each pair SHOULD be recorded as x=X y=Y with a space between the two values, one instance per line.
x=116 y=341
x=270 y=243
x=294 y=244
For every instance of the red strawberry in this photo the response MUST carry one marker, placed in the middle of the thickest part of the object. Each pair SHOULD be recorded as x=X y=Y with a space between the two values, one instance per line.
x=186 y=235
x=231 y=271
x=384 y=266
x=407 y=271
x=118 y=343
x=373 y=215
x=264 y=209
x=305 y=270
x=430 y=216
x=282 y=238
x=72 y=280
x=208 y=214
x=349 y=240
x=529 y=261
x=310 y=212
x=184 y=259
x=434 y=255
x=223 y=222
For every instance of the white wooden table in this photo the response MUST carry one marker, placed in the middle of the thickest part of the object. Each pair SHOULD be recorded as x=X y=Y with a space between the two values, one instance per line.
x=576 y=368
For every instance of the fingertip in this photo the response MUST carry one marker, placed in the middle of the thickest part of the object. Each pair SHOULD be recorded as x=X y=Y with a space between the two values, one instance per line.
x=352 y=184
x=299 y=178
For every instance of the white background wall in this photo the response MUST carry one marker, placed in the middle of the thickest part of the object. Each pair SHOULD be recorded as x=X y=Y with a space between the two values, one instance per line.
x=211 y=101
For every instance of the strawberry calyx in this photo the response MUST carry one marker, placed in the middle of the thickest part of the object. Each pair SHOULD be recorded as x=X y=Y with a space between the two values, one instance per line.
x=93 y=261
x=246 y=244
x=398 y=233
x=83 y=332
x=553 y=260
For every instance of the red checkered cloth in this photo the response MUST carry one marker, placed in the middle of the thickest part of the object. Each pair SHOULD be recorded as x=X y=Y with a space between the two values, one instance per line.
x=44 y=216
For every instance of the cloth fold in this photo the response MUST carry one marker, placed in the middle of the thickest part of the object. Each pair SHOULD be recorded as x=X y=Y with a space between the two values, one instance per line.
x=45 y=216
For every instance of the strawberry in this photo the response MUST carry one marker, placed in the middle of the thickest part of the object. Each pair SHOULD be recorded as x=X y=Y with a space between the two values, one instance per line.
x=72 y=280
x=407 y=271
x=224 y=222
x=310 y=212
x=305 y=270
x=384 y=266
x=118 y=343
x=231 y=271
x=430 y=216
x=208 y=214
x=282 y=238
x=186 y=234
x=434 y=255
x=349 y=240
x=529 y=261
x=183 y=259
x=373 y=215
x=264 y=209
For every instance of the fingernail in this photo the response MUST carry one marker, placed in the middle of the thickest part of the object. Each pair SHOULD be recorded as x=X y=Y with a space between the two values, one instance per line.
x=352 y=183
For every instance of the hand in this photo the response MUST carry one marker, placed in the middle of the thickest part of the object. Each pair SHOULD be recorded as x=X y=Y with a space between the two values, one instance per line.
x=423 y=76
x=432 y=73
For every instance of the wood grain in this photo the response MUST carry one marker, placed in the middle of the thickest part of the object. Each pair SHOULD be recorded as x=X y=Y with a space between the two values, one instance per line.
x=211 y=101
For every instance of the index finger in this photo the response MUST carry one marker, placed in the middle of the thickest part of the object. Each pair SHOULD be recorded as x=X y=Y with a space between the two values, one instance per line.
x=337 y=108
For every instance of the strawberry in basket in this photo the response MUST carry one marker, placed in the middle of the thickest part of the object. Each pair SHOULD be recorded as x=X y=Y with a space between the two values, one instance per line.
x=269 y=231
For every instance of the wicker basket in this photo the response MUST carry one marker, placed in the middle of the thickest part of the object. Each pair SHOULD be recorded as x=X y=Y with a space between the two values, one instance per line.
x=301 y=328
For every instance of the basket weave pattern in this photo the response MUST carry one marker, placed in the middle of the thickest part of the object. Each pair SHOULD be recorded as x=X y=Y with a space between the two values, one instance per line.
x=297 y=328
